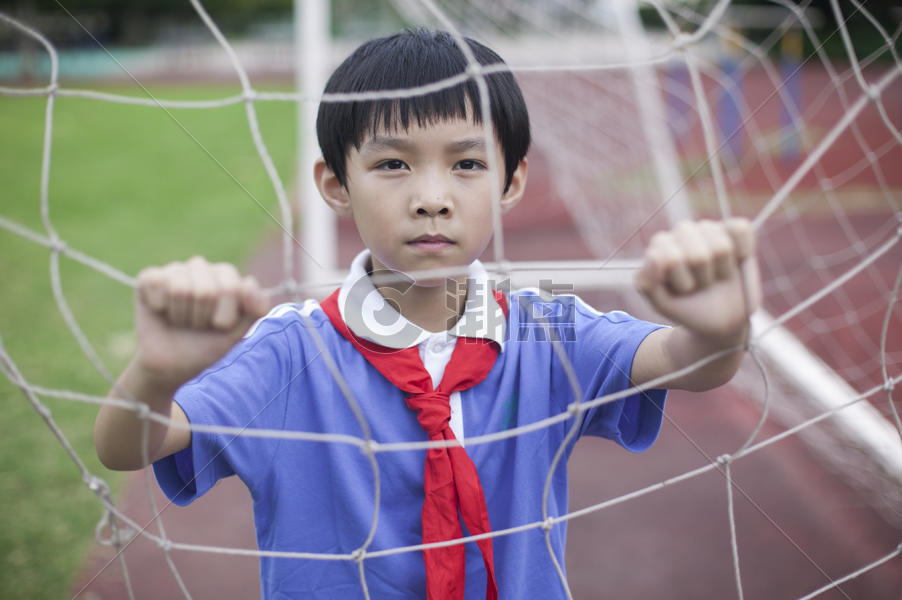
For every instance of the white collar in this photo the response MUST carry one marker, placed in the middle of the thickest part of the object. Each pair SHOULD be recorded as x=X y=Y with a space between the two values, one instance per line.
x=374 y=319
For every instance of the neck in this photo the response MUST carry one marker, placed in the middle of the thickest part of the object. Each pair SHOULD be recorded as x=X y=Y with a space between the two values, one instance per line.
x=433 y=307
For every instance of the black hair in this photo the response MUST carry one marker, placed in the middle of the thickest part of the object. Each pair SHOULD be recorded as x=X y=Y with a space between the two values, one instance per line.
x=409 y=59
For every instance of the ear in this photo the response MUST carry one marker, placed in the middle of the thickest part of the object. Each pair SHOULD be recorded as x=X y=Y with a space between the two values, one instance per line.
x=335 y=194
x=515 y=190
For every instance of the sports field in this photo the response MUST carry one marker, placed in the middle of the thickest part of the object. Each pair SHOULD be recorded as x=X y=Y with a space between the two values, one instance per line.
x=134 y=186
x=130 y=186
x=799 y=524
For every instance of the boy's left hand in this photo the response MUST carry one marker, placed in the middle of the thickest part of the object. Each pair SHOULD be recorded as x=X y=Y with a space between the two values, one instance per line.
x=703 y=275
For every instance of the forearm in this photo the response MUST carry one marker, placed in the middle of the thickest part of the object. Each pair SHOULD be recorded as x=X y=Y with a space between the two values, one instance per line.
x=667 y=352
x=187 y=316
x=121 y=434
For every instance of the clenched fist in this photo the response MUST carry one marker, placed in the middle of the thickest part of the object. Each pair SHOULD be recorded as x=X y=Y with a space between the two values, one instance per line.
x=189 y=314
x=704 y=275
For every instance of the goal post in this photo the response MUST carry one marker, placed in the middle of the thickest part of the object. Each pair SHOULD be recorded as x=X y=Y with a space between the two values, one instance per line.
x=318 y=246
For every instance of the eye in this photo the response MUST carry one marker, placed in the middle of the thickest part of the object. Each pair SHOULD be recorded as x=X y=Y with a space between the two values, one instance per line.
x=391 y=165
x=469 y=165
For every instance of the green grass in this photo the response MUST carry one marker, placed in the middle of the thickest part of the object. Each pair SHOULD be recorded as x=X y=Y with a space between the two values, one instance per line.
x=130 y=187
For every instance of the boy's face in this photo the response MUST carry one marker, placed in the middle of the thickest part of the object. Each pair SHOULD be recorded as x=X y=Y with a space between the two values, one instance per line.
x=422 y=198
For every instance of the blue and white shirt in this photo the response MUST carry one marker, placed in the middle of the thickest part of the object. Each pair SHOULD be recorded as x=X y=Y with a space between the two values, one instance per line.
x=318 y=497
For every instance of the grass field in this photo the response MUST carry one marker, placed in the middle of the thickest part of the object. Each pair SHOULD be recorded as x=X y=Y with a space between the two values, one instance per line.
x=130 y=187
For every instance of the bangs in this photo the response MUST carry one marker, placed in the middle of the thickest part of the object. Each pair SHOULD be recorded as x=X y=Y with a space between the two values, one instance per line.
x=410 y=60
x=460 y=102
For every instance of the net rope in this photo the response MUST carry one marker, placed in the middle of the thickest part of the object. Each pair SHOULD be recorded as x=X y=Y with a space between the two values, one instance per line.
x=855 y=90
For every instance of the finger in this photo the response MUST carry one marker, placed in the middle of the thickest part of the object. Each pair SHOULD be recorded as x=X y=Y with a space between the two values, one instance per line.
x=646 y=278
x=226 y=309
x=670 y=264
x=743 y=236
x=694 y=248
x=151 y=289
x=178 y=284
x=203 y=294
x=253 y=301
x=650 y=273
x=720 y=244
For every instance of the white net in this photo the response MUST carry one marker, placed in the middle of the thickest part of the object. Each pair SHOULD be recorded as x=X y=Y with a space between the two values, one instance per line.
x=636 y=127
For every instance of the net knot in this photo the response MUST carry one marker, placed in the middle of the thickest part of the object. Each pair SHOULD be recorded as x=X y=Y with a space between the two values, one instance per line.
x=290 y=286
x=165 y=545
x=474 y=70
x=873 y=93
x=888 y=385
x=58 y=246
x=250 y=95
x=358 y=555
x=574 y=409
x=724 y=459
x=143 y=411
x=369 y=447
x=52 y=89
x=681 y=40
x=97 y=485
x=547 y=524
x=118 y=536
x=504 y=267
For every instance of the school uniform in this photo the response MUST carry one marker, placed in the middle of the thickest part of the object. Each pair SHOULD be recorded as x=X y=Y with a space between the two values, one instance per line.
x=318 y=496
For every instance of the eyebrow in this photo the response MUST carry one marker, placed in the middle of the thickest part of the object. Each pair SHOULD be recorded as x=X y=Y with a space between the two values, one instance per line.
x=380 y=142
x=466 y=145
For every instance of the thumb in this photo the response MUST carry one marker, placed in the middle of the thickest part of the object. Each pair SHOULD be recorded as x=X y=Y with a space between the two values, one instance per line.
x=646 y=278
x=254 y=303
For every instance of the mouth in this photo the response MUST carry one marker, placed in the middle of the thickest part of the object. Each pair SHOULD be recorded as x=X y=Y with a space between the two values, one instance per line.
x=431 y=243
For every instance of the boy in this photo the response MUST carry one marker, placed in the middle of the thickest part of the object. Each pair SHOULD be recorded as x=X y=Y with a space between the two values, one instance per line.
x=424 y=356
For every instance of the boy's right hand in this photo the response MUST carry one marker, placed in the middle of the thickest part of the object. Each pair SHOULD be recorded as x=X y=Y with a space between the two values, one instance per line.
x=189 y=314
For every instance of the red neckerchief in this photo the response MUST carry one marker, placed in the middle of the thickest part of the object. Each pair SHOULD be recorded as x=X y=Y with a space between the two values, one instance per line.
x=450 y=480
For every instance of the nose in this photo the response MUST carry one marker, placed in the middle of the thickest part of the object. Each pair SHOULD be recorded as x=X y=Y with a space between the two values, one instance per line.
x=431 y=199
x=433 y=209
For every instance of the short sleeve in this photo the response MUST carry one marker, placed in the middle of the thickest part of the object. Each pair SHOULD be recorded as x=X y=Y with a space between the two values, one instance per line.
x=607 y=343
x=247 y=389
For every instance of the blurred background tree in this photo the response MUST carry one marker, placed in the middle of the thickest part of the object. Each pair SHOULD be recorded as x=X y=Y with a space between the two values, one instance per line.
x=143 y=22
x=137 y=23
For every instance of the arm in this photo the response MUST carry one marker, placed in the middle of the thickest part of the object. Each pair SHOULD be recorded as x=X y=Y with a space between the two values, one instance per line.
x=187 y=316
x=704 y=277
